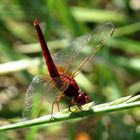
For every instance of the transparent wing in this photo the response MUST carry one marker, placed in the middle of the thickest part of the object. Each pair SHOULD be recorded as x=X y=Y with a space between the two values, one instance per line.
x=78 y=51
x=66 y=56
x=40 y=88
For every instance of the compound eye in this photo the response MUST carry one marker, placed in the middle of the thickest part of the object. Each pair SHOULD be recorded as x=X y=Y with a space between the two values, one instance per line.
x=82 y=98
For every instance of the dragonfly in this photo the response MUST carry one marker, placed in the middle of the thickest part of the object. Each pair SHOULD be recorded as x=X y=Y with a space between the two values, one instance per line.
x=63 y=67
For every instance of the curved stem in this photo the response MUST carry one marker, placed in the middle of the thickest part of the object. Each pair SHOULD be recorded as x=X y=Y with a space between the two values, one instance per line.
x=88 y=110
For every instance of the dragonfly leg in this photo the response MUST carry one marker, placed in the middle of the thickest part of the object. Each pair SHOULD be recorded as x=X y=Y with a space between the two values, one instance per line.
x=70 y=105
x=80 y=107
x=74 y=112
x=53 y=106
x=58 y=98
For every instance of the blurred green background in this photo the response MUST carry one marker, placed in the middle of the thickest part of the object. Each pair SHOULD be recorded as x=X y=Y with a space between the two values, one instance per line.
x=115 y=72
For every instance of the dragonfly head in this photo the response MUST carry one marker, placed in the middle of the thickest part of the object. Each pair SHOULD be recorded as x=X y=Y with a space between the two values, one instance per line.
x=82 y=98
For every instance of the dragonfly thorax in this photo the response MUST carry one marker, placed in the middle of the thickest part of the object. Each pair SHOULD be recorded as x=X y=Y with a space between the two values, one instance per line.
x=73 y=88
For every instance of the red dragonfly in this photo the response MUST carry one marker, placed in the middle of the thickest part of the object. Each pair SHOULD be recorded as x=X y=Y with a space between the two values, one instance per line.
x=61 y=82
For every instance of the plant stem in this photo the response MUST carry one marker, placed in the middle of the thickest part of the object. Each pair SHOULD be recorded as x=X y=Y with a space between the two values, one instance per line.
x=89 y=110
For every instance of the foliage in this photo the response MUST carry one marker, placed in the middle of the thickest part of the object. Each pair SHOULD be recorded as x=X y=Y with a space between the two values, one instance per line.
x=114 y=73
